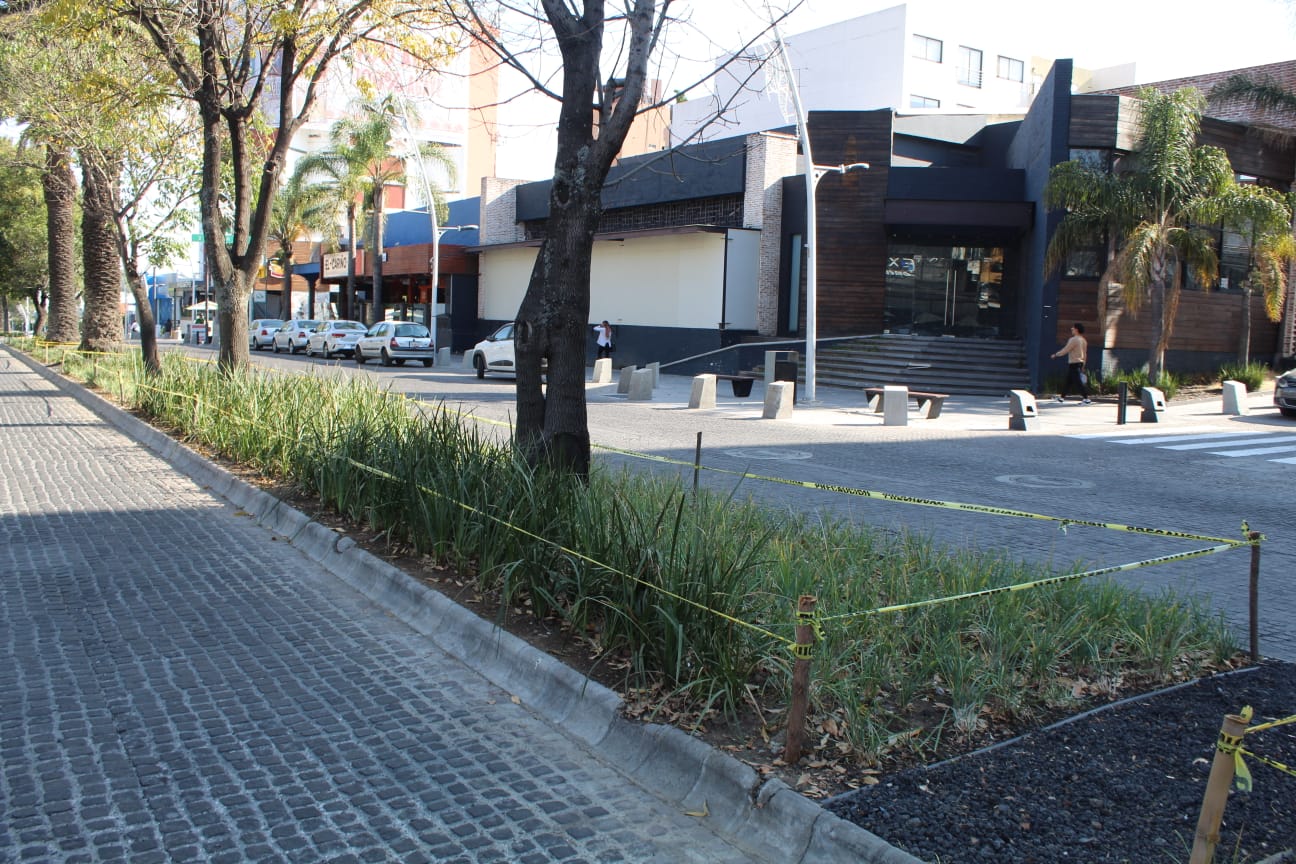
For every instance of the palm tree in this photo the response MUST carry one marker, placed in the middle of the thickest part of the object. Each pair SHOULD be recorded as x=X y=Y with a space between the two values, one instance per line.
x=360 y=163
x=1264 y=216
x=300 y=210
x=1156 y=203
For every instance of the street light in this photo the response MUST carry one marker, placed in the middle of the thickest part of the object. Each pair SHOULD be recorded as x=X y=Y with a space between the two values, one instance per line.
x=815 y=173
x=434 y=265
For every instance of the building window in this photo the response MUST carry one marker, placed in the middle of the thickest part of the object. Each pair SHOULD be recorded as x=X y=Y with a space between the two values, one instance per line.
x=926 y=48
x=916 y=101
x=1011 y=70
x=1095 y=159
x=969 y=66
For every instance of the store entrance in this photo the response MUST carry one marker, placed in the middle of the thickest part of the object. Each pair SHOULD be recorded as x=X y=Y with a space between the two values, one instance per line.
x=945 y=291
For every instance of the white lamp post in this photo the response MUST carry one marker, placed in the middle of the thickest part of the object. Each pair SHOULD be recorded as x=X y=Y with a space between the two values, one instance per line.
x=815 y=173
x=434 y=266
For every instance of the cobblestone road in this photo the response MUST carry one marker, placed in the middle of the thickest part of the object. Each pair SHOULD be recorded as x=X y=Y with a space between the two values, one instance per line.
x=176 y=684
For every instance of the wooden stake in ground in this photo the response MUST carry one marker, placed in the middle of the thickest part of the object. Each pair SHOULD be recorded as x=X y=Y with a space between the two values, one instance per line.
x=805 y=639
x=1217 y=787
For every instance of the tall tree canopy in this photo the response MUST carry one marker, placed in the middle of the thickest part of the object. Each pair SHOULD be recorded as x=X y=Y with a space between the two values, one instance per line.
x=1162 y=202
x=250 y=66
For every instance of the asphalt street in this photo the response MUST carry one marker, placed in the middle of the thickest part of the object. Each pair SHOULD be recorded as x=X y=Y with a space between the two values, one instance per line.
x=177 y=683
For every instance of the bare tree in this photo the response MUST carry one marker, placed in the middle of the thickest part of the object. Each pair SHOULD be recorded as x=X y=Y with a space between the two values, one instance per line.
x=602 y=89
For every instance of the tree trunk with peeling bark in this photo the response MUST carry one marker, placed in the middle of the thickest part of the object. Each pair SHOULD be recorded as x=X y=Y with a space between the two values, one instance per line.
x=101 y=327
x=59 y=187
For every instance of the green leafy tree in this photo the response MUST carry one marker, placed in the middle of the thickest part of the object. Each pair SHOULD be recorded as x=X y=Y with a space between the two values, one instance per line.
x=248 y=66
x=366 y=155
x=1156 y=202
x=300 y=210
x=1264 y=217
x=24 y=271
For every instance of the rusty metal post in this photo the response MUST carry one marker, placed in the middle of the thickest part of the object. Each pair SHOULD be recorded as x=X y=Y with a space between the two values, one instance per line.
x=697 y=463
x=1254 y=537
x=800 y=678
x=1217 y=788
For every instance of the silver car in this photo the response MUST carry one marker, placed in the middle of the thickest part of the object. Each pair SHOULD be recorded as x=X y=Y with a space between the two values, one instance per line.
x=261 y=332
x=292 y=336
x=395 y=342
x=334 y=337
x=1285 y=393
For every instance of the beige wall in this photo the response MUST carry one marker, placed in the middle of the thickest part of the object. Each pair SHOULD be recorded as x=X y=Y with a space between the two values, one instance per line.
x=670 y=281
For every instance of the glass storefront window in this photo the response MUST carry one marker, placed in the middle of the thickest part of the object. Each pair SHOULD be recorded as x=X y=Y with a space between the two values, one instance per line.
x=945 y=291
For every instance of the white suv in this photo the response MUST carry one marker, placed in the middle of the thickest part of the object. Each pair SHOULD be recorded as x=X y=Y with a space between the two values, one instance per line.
x=495 y=353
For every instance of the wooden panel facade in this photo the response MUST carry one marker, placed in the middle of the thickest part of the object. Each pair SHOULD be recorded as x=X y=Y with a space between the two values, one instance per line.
x=1208 y=322
x=852 y=229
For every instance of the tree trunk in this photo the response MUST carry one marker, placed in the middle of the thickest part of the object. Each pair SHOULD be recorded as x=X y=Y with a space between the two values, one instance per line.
x=349 y=311
x=287 y=282
x=101 y=328
x=1244 y=338
x=376 y=313
x=59 y=187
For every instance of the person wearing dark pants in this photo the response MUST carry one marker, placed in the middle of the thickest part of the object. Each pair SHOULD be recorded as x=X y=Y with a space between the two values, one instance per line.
x=1076 y=351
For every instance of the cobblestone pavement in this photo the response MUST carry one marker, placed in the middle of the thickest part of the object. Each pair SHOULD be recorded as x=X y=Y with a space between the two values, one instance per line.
x=177 y=684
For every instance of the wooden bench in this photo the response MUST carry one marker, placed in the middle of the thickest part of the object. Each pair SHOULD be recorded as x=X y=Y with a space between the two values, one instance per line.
x=741 y=384
x=929 y=404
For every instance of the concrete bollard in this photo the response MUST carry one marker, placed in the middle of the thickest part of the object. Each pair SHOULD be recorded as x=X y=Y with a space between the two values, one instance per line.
x=1023 y=415
x=641 y=385
x=602 y=371
x=778 y=400
x=895 y=405
x=444 y=356
x=1153 y=404
x=656 y=370
x=704 y=392
x=627 y=372
x=1235 y=398
x=468 y=360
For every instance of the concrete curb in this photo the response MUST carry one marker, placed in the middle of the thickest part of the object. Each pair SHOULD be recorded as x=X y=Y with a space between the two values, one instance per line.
x=768 y=819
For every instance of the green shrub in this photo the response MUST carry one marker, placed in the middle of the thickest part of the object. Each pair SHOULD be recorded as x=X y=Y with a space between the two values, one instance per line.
x=1253 y=375
x=689 y=593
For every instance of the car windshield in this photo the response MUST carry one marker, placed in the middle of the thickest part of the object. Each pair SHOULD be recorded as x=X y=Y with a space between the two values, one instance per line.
x=348 y=325
x=308 y=324
x=415 y=330
x=269 y=323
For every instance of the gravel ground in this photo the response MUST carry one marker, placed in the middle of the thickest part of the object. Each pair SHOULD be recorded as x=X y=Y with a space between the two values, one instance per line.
x=1121 y=784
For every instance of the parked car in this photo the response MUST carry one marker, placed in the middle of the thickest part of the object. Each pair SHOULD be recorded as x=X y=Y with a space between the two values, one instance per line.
x=261 y=332
x=334 y=337
x=495 y=353
x=395 y=342
x=1285 y=393
x=292 y=336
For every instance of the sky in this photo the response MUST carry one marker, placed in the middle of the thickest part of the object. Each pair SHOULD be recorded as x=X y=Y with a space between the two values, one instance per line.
x=1163 y=41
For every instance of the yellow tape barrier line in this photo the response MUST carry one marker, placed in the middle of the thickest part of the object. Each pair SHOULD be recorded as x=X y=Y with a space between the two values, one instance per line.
x=1038 y=583
x=1272 y=763
x=1271 y=724
x=930 y=502
x=580 y=555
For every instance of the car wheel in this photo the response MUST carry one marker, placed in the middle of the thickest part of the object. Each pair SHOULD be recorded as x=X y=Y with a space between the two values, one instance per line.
x=427 y=364
x=328 y=352
x=292 y=349
x=399 y=362
x=479 y=363
x=1288 y=412
x=386 y=358
x=359 y=358
x=274 y=346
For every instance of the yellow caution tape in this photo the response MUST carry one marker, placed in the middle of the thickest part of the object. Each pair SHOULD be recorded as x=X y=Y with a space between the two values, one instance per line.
x=1259 y=727
x=580 y=555
x=1272 y=763
x=1039 y=583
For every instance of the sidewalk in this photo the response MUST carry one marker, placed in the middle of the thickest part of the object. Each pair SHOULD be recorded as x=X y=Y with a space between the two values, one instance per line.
x=195 y=672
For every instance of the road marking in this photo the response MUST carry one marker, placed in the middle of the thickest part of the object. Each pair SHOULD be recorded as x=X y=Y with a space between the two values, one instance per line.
x=1258 y=451
x=1268 y=439
x=1036 y=481
x=1233 y=444
x=770 y=454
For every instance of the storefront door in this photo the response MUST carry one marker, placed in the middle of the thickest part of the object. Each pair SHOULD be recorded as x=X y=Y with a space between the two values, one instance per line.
x=945 y=291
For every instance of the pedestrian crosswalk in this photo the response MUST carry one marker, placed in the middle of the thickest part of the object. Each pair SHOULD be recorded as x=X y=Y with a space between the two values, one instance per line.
x=1270 y=446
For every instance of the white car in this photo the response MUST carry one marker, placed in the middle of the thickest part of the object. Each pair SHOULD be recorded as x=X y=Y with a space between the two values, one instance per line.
x=495 y=353
x=292 y=336
x=395 y=342
x=261 y=332
x=334 y=337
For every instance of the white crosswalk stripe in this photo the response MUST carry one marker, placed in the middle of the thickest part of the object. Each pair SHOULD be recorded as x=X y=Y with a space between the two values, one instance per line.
x=1235 y=444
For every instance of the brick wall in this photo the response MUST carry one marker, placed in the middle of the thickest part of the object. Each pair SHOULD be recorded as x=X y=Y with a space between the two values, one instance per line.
x=499 y=211
x=770 y=158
